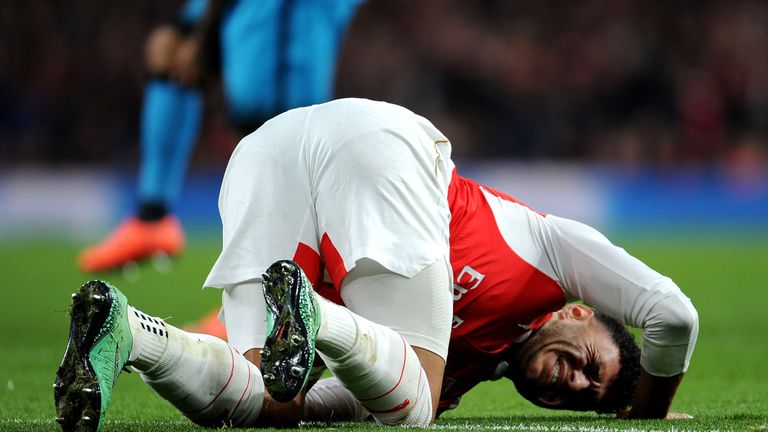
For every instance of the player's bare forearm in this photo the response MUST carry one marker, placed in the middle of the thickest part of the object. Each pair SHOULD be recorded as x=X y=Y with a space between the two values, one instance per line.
x=654 y=396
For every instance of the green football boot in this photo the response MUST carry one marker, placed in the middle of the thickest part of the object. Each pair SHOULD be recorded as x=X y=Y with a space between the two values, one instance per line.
x=99 y=344
x=293 y=318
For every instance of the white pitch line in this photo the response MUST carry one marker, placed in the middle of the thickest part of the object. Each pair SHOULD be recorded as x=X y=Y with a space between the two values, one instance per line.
x=548 y=428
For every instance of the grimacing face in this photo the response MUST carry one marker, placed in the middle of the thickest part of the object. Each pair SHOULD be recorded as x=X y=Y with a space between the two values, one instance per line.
x=569 y=363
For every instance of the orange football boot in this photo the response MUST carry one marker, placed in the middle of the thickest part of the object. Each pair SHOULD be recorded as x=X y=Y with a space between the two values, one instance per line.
x=209 y=325
x=133 y=240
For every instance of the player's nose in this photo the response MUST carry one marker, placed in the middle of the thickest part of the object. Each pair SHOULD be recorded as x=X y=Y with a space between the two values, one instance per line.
x=577 y=380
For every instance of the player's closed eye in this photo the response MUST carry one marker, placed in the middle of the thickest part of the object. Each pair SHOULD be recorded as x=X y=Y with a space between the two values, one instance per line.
x=592 y=371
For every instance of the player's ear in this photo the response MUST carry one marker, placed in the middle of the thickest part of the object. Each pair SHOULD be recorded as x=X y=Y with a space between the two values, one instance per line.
x=578 y=312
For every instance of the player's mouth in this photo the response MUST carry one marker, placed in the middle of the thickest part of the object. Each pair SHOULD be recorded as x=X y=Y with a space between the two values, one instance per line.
x=557 y=374
x=554 y=374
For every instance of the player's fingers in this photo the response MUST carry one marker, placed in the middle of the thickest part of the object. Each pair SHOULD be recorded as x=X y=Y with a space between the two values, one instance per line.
x=184 y=69
x=678 y=416
x=622 y=415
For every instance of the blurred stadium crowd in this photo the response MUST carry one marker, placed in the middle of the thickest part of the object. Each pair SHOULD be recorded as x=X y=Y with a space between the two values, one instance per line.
x=628 y=82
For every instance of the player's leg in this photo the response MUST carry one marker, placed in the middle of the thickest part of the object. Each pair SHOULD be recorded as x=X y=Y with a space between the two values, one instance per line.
x=170 y=122
x=416 y=310
x=267 y=213
x=329 y=400
x=243 y=315
x=378 y=365
x=381 y=196
x=396 y=210
x=250 y=78
x=203 y=377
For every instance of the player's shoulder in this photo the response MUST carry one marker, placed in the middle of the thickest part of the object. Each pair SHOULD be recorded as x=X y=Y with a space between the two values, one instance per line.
x=467 y=189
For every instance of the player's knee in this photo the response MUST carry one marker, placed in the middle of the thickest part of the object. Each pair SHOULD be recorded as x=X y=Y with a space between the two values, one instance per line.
x=279 y=414
x=421 y=415
x=160 y=49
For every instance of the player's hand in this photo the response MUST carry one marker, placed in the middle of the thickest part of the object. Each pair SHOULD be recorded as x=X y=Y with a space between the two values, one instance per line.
x=678 y=416
x=624 y=415
x=184 y=68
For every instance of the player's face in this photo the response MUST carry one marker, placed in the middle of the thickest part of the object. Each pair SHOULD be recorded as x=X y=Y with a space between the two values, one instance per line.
x=570 y=363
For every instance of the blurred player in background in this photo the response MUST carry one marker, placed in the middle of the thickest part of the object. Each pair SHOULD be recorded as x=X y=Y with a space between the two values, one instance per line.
x=271 y=56
x=364 y=197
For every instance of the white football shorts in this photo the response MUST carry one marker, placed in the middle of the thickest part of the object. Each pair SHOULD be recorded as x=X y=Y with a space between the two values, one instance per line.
x=340 y=182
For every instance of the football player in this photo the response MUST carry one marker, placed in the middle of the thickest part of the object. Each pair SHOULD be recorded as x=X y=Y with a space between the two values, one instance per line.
x=407 y=254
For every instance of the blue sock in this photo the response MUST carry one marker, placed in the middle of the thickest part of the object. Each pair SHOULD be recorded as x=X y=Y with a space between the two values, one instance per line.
x=170 y=122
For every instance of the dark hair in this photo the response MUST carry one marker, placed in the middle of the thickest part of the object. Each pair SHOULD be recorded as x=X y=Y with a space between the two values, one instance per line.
x=619 y=396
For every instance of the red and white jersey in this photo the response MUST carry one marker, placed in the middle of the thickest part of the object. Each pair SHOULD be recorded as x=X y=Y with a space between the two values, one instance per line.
x=513 y=266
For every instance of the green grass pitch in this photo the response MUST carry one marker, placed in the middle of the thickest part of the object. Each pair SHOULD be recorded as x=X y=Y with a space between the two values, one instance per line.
x=726 y=387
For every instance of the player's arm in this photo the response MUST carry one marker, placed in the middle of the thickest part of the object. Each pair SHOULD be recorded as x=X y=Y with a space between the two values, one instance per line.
x=654 y=396
x=592 y=269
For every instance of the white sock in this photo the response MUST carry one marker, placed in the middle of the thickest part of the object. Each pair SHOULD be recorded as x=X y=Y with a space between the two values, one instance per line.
x=328 y=400
x=202 y=376
x=376 y=365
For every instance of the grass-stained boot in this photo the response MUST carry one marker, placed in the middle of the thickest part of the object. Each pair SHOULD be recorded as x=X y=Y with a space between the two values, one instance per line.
x=99 y=345
x=293 y=318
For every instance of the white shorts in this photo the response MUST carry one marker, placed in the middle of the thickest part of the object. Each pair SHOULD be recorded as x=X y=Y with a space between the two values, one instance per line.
x=418 y=308
x=332 y=184
x=344 y=180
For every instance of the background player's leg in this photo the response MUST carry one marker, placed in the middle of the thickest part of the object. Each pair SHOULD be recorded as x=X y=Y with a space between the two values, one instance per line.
x=170 y=123
x=171 y=117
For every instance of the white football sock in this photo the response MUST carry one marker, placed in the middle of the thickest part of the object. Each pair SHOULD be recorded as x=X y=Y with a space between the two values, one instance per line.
x=328 y=400
x=376 y=365
x=202 y=376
